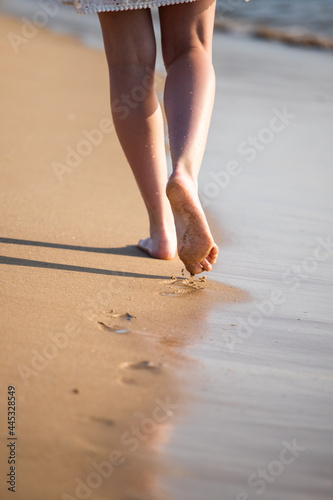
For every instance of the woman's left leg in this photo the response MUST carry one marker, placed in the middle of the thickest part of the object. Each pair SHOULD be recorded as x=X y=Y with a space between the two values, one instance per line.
x=130 y=48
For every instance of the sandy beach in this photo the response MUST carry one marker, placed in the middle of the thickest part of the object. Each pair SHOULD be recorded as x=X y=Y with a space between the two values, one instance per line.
x=90 y=324
x=129 y=381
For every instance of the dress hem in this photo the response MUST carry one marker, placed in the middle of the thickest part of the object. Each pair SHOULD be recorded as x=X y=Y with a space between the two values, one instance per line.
x=114 y=8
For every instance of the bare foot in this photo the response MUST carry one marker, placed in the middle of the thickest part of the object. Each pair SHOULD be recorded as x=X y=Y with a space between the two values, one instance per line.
x=160 y=246
x=196 y=247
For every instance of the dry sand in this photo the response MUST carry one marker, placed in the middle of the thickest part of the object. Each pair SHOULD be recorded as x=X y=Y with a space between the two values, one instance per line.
x=80 y=302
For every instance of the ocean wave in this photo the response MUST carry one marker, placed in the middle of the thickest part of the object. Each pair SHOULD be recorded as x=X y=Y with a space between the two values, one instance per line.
x=301 y=22
x=293 y=35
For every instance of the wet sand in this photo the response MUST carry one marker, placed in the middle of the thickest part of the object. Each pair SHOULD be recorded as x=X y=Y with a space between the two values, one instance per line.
x=265 y=383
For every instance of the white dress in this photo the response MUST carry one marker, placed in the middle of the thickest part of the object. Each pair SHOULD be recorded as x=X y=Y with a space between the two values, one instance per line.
x=90 y=6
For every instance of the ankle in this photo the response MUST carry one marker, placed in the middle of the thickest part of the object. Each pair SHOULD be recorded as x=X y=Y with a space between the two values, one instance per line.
x=162 y=232
x=161 y=227
x=183 y=176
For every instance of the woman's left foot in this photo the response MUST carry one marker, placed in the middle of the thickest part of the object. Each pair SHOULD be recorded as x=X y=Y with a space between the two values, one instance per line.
x=160 y=246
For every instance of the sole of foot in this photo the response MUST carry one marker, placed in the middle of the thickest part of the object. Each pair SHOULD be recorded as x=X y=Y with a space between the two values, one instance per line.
x=196 y=247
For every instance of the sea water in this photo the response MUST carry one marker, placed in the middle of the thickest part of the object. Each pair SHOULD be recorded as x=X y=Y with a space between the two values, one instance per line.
x=312 y=17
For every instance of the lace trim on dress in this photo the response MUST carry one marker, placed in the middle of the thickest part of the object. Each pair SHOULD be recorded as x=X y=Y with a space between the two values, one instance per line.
x=90 y=7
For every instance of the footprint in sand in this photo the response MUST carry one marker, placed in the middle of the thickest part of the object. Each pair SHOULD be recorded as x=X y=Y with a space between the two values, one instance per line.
x=102 y=420
x=127 y=316
x=108 y=324
x=126 y=380
x=113 y=329
x=141 y=365
x=182 y=286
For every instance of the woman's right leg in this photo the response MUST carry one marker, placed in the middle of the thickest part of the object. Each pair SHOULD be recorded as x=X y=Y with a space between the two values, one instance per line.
x=187 y=31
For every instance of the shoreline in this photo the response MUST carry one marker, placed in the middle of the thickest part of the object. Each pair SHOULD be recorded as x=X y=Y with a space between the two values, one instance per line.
x=56 y=16
x=270 y=34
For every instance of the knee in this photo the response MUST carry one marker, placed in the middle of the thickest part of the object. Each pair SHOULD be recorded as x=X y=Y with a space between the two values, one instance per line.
x=132 y=71
x=195 y=52
x=190 y=50
x=132 y=59
x=131 y=53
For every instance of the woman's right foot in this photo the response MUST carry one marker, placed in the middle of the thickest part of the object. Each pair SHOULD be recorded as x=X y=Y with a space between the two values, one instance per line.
x=196 y=247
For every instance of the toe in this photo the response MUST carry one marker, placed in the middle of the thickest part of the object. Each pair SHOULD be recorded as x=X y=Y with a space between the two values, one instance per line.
x=143 y=245
x=194 y=268
x=206 y=265
x=213 y=255
x=215 y=250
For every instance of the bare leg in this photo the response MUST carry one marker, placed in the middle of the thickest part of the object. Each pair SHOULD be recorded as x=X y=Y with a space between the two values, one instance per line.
x=131 y=50
x=189 y=93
